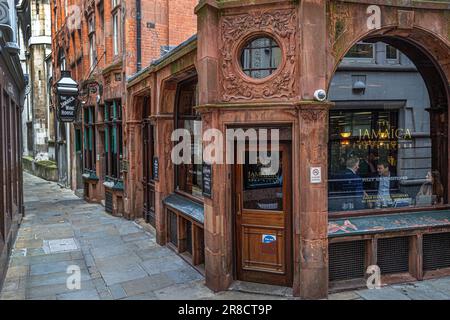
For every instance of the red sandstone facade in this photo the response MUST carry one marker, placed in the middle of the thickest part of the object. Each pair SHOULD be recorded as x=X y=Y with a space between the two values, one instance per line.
x=313 y=37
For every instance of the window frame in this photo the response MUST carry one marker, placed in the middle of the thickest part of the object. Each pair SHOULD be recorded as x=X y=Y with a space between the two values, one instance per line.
x=89 y=140
x=113 y=125
x=177 y=117
x=248 y=47
x=395 y=106
x=361 y=59
x=116 y=30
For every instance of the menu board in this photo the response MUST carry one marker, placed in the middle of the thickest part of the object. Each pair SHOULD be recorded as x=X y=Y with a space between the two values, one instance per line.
x=207 y=180
x=155 y=169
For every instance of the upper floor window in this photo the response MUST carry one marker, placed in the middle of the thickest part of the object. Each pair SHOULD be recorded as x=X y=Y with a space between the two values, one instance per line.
x=260 y=57
x=116 y=32
x=362 y=51
x=92 y=44
x=89 y=139
x=113 y=138
x=392 y=54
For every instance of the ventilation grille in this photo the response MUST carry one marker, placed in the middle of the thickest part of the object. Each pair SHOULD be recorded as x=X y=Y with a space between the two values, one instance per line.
x=393 y=255
x=436 y=251
x=108 y=202
x=347 y=260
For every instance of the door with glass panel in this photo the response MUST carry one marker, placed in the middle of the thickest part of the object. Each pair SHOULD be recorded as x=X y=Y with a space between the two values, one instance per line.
x=263 y=218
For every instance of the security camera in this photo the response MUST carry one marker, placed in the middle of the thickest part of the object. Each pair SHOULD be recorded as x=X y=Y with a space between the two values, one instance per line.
x=320 y=95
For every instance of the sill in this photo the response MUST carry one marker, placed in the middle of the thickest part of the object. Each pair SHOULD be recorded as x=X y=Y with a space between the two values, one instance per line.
x=190 y=196
x=368 y=212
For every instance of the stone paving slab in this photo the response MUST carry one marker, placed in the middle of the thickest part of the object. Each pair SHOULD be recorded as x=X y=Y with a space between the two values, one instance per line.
x=120 y=259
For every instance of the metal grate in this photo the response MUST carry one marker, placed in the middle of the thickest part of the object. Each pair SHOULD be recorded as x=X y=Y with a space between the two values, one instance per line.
x=108 y=202
x=436 y=251
x=393 y=255
x=346 y=260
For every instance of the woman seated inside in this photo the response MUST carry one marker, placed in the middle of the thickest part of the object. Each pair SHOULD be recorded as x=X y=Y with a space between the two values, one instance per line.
x=432 y=191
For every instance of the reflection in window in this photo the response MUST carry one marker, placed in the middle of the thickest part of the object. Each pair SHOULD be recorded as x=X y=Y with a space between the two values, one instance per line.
x=260 y=57
x=263 y=188
x=374 y=163
x=189 y=175
x=362 y=50
x=391 y=53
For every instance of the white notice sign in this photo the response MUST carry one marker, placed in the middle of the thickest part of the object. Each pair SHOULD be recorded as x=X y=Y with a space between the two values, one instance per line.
x=316 y=175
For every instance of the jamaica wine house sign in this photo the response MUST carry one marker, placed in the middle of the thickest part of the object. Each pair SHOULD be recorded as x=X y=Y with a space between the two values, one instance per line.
x=67 y=90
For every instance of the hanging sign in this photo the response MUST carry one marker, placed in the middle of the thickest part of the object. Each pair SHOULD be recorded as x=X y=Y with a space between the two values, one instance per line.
x=67 y=109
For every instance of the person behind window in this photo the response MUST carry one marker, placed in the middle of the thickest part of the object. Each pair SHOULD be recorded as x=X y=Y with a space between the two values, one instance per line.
x=383 y=185
x=368 y=166
x=432 y=191
x=352 y=185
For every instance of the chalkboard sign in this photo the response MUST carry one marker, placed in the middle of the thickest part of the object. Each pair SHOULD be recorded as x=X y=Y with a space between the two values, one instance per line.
x=207 y=180
x=155 y=173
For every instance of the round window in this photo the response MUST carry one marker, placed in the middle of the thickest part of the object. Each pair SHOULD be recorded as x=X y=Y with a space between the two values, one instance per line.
x=260 y=57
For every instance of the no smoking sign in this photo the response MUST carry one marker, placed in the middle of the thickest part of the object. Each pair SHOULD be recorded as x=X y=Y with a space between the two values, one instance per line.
x=316 y=175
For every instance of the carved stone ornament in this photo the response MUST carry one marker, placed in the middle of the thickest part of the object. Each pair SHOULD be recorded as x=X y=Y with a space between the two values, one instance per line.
x=313 y=115
x=236 y=30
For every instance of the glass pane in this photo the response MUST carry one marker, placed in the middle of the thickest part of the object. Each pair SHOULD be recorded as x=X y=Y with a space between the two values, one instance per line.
x=374 y=163
x=361 y=50
x=260 y=57
x=263 y=185
x=391 y=53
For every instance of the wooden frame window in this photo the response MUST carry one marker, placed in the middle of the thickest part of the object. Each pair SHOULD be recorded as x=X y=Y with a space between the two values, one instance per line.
x=89 y=140
x=113 y=139
x=188 y=176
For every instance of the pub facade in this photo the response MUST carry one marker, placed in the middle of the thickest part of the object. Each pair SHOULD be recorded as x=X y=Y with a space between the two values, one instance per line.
x=360 y=186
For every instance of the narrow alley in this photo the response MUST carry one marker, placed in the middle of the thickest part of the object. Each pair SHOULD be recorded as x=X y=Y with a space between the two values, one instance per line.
x=117 y=258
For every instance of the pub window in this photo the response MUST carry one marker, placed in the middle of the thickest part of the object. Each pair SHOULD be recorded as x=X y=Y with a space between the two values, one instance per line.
x=260 y=57
x=113 y=138
x=89 y=139
x=375 y=162
x=362 y=51
x=189 y=175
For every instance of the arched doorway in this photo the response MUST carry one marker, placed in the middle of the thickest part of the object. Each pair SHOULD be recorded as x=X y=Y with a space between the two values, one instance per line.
x=388 y=157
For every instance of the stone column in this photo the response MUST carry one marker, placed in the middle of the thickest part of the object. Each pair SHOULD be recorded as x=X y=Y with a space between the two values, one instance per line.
x=164 y=129
x=312 y=282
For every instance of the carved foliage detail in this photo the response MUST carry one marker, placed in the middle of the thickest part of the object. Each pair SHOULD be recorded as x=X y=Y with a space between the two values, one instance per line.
x=282 y=25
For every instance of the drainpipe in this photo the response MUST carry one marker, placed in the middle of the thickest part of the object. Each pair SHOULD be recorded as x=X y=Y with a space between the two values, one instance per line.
x=138 y=36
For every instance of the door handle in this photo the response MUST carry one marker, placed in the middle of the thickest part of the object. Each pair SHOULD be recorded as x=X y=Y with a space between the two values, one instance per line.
x=239 y=204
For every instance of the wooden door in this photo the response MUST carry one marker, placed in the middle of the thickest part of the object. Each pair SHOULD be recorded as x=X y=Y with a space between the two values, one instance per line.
x=148 y=176
x=263 y=220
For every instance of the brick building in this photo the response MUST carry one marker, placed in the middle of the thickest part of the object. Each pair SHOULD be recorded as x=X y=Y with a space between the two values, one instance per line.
x=102 y=43
x=310 y=226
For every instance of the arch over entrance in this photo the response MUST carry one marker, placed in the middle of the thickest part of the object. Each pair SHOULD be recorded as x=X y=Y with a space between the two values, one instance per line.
x=429 y=53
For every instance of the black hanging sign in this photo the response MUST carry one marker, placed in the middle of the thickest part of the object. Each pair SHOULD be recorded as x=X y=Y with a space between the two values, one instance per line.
x=67 y=108
x=207 y=180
